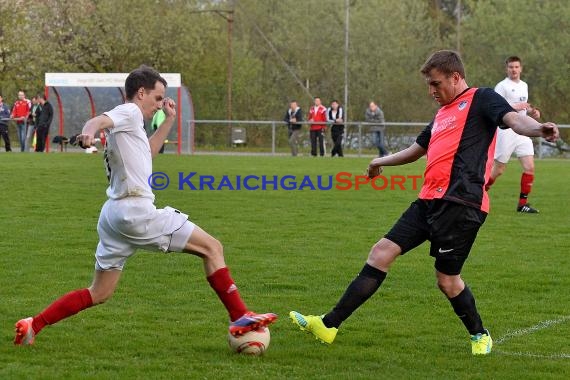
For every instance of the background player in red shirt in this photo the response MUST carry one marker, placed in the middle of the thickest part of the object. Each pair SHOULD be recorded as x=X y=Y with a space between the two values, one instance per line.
x=452 y=204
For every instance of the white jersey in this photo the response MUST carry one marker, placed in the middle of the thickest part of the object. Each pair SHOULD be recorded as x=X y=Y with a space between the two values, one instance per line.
x=508 y=141
x=513 y=92
x=128 y=159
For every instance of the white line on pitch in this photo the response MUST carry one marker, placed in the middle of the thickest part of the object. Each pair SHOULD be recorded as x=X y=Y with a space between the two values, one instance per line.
x=531 y=355
x=529 y=330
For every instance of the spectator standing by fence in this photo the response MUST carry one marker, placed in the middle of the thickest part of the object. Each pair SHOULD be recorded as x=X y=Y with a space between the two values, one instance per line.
x=44 y=121
x=4 y=119
x=293 y=118
x=335 y=116
x=32 y=120
x=375 y=115
x=20 y=112
x=317 y=114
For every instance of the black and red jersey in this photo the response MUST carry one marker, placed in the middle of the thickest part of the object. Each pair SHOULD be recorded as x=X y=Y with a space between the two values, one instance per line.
x=460 y=144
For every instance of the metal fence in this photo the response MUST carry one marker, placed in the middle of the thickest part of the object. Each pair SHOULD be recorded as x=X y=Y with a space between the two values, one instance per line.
x=271 y=137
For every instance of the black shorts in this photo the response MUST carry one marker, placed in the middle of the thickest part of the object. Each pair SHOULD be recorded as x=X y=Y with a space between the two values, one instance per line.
x=450 y=227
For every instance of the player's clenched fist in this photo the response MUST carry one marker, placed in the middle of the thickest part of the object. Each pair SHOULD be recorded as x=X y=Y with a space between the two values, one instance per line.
x=85 y=141
x=550 y=131
x=169 y=107
x=373 y=170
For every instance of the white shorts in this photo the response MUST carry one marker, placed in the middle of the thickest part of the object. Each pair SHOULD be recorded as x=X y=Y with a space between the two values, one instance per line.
x=509 y=142
x=131 y=223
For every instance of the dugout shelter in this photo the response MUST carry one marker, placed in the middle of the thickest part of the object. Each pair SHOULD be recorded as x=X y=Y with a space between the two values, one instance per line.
x=77 y=97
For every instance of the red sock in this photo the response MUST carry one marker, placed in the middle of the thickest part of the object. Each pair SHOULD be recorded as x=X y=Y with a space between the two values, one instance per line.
x=526 y=187
x=227 y=291
x=65 y=306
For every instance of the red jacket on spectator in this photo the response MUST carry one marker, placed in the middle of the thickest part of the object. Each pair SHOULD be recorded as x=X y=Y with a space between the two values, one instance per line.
x=318 y=114
x=21 y=109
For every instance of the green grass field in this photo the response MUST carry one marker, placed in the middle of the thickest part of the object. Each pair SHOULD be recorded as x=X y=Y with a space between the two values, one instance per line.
x=287 y=250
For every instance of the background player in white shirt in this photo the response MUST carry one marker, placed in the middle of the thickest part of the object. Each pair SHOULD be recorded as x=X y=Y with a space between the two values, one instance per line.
x=129 y=220
x=515 y=91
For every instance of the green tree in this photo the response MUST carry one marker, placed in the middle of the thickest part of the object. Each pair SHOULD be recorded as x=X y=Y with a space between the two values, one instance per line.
x=389 y=43
x=285 y=49
x=538 y=32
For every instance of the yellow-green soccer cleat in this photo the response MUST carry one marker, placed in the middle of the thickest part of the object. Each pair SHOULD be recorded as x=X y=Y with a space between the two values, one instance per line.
x=314 y=324
x=481 y=344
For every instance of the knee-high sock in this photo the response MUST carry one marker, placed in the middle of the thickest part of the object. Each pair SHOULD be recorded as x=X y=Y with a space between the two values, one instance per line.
x=465 y=308
x=65 y=306
x=360 y=289
x=526 y=187
x=227 y=291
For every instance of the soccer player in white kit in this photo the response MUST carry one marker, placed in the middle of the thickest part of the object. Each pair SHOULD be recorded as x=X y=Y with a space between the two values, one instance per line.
x=515 y=91
x=129 y=220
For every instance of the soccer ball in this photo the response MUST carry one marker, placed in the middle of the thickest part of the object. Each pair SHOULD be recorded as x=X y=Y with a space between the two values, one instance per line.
x=254 y=342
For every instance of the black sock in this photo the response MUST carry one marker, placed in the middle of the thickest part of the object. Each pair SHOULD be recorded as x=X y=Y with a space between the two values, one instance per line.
x=360 y=289
x=464 y=306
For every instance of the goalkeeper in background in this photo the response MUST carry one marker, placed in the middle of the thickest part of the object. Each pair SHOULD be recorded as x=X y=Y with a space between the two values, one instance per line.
x=157 y=121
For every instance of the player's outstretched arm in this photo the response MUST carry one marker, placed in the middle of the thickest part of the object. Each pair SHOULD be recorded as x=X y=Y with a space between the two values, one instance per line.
x=91 y=127
x=158 y=137
x=410 y=154
x=527 y=126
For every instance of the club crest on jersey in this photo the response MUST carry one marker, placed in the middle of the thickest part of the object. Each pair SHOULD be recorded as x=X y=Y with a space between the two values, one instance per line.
x=462 y=105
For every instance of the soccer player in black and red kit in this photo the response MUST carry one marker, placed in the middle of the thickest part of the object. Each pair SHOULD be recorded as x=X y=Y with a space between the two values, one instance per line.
x=452 y=204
